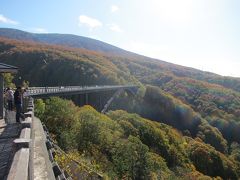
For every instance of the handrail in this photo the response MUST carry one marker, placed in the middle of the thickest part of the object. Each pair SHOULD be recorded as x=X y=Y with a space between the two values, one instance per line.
x=20 y=167
x=31 y=91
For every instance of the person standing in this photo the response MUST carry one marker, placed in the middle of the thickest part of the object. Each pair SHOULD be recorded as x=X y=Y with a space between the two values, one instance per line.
x=9 y=97
x=18 y=103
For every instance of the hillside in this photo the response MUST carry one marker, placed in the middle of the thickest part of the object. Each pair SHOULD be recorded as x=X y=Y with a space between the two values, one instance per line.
x=203 y=107
x=37 y=63
x=42 y=65
x=95 y=45
x=120 y=145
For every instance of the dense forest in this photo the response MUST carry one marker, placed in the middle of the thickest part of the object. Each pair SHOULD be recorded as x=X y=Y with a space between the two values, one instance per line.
x=120 y=145
x=183 y=123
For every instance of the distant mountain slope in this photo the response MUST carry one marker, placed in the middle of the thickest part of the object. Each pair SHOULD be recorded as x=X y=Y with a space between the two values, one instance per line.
x=190 y=105
x=62 y=39
x=152 y=65
x=50 y=65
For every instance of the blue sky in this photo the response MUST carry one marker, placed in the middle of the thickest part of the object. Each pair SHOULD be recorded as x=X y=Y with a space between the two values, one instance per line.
x=203 y=34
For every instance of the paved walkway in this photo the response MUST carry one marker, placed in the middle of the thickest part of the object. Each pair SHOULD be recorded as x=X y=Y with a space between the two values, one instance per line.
x=8 y=132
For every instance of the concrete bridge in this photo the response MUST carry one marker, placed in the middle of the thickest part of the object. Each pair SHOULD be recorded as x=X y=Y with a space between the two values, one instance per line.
x=45 y=92
x=41 y=92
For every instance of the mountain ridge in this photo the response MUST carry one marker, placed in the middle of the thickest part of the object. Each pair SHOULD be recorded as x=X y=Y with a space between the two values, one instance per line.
x=77 y=41
x=69 y=40
x=156 y=66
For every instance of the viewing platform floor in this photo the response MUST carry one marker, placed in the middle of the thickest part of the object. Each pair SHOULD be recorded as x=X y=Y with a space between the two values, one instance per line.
x=8 y=132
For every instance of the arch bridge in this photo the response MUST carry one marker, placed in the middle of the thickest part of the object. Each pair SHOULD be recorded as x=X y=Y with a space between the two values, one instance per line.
x=45 y=92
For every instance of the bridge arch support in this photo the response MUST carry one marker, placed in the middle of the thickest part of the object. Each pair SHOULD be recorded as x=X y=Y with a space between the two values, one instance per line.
x=132 y=91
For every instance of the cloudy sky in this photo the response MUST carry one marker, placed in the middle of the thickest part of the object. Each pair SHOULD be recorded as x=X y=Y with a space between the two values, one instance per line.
x=204 y=34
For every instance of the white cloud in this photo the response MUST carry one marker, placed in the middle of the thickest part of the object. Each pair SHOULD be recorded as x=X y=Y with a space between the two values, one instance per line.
x=89 y=22
x=6 y=20
x=114 y=8
x=40 y=30
x=114 y=27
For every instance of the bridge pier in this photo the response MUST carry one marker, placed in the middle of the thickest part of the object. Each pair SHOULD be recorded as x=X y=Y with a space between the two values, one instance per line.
x=100 y=102
x=86 y=99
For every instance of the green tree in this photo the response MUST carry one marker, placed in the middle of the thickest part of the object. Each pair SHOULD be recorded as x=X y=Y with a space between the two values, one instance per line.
x=8 y=80
x=130 y=159
x=39 y=108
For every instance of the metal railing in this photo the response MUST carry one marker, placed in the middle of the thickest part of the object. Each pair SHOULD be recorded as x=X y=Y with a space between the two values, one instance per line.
x=65 y=89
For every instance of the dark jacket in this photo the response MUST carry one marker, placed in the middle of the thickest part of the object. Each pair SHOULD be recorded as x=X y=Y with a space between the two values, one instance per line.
x=17 y=97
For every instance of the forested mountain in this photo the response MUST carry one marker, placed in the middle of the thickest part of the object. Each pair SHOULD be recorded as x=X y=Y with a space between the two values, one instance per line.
x=201 y=109
x=95 y=45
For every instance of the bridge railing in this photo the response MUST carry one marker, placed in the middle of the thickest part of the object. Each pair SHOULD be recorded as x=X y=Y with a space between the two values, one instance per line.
x=46 y=90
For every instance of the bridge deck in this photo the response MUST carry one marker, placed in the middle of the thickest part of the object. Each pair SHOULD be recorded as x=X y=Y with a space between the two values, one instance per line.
x=8 y=132
x=70 y=90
